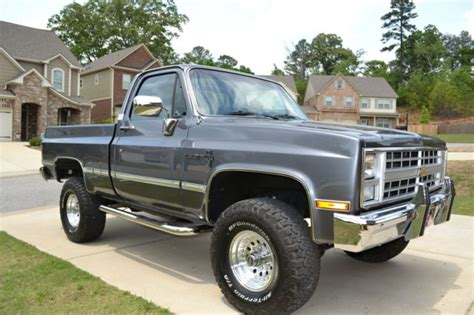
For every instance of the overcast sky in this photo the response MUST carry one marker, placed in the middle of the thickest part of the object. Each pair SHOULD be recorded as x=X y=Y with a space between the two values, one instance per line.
x=258 y=32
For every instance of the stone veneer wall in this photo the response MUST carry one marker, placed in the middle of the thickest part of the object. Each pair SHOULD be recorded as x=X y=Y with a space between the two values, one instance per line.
x=32 y=91
x=80 y=114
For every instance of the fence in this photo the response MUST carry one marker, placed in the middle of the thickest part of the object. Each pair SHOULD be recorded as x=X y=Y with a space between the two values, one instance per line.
x=459 y=128
x=424 y=129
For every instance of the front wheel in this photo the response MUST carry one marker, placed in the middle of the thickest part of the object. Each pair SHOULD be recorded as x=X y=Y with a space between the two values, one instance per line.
x=381 y=253
x=263 y=257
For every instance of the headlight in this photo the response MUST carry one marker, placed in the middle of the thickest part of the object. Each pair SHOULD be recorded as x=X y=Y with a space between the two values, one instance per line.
x=369 y=166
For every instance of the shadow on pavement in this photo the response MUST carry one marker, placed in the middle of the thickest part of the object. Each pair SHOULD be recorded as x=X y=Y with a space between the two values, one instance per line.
x=407 y=284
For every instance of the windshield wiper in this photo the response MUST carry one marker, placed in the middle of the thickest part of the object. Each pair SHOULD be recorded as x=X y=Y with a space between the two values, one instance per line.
x=247 y=113
x=286 y=116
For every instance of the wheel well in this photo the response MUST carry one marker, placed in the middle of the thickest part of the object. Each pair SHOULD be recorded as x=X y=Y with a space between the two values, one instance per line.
x=230 y=187
x=67 y=168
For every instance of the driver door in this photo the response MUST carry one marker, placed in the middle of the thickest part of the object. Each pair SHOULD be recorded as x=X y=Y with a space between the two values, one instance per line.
x=146 y=163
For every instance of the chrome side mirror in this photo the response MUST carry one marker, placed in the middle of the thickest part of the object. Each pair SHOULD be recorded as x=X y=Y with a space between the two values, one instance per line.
x=149 y=106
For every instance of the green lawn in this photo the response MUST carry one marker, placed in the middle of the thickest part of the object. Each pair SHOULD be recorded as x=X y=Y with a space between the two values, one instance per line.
x=463 y=174
x=457 y=138
x=33 y=282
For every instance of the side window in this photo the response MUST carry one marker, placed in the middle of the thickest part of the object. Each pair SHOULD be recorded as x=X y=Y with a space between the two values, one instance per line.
x=161 y=86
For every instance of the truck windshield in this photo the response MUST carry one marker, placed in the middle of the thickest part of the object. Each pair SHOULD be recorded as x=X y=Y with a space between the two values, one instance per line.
x=223 y=93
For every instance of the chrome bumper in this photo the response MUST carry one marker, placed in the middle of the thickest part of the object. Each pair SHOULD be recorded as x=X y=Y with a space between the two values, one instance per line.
x=356 y=233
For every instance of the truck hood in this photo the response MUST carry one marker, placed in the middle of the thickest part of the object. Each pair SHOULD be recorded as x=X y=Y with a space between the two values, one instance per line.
x=374 y=136
x=369 y=137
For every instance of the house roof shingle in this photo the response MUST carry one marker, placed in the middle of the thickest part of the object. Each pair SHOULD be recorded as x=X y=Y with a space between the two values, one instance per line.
x=32 y=43
x=285 y=79
x=109 y=59
x=366 y=86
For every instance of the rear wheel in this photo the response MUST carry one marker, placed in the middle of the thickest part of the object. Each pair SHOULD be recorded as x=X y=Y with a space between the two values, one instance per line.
x=263 y=257
x=80 y=216
x=381 y=253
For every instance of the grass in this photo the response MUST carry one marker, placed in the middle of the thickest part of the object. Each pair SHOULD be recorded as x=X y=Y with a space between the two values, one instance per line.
x=457 y=138
x=33 y=282
x=463 y=174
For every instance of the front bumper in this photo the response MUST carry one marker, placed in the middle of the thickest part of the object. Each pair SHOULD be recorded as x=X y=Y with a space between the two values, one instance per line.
x=356 y=233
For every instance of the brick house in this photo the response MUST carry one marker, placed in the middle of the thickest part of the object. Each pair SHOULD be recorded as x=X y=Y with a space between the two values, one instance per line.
x=362 y=100
x=39 y=83
x=105 y=81
x=287 y=81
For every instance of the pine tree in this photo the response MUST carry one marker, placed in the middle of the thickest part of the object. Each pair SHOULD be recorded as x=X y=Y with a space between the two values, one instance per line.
x=399 y=27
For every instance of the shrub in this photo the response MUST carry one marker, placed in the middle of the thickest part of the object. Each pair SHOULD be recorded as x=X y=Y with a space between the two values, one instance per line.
x=103 y=121
x=425 y=116
x=35 y=141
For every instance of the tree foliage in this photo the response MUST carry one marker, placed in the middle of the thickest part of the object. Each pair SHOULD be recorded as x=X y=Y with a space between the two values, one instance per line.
x=298 y=61
x=202 y=56
x=328 y=56
x=397 y=23
x=324 y=55
x=425 y=51
x=96 y=28
x=277 y=71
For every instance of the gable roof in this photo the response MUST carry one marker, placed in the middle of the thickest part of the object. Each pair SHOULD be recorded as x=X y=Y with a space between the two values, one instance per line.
x=23 y=42
x=21 y=76
x=287 y=80
x=112 y=59
x=366 y=86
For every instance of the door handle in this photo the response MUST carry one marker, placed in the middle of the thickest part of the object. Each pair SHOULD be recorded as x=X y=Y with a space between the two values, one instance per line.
x=125 y=128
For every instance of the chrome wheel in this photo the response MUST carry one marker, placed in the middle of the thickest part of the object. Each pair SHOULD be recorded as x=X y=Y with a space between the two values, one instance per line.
x=73 y=210
x=252 y=261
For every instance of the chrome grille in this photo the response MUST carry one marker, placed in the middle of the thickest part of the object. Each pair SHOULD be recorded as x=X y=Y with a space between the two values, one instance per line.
x=405 y=169
x=411 y=158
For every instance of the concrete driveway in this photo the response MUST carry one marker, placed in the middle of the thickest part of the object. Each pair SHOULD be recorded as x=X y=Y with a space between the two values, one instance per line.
x=18 y=159
x=434 y=275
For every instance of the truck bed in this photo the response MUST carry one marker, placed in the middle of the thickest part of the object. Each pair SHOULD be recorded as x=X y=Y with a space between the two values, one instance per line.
x=88 y=145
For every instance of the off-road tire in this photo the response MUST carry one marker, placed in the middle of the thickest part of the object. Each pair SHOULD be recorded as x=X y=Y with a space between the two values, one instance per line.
x=381 y=253
x=288 y=234
x=92 y=220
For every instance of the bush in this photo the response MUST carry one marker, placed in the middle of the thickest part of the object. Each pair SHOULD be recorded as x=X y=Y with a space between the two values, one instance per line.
x=103 y=121
x=35 y=141
x=425 y=116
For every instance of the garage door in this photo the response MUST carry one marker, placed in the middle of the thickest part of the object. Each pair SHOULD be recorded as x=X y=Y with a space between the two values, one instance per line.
x=5 y=125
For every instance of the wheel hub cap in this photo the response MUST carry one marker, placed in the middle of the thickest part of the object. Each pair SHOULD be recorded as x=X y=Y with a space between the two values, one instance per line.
x=73 y=211
x=252 y=261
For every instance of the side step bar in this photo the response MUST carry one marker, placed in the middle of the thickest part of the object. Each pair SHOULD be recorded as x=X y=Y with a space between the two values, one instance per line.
x=152 y=223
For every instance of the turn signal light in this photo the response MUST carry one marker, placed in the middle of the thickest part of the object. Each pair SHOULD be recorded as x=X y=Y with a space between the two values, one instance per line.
x=333 y=205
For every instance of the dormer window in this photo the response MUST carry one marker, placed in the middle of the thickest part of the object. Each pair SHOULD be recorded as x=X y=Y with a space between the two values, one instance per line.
x=339 y=84
x=57 y=76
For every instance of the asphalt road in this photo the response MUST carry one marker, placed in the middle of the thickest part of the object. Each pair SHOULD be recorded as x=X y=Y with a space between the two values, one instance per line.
x=26 y=192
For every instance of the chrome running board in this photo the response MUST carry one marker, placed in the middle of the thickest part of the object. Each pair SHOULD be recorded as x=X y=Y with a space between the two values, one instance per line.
x=166 y=227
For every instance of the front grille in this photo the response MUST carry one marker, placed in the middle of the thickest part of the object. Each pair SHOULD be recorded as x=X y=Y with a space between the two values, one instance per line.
x=411 y=158
x=405 y=169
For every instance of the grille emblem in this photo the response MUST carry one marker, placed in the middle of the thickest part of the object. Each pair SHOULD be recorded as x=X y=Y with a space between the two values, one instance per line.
x=423 y=172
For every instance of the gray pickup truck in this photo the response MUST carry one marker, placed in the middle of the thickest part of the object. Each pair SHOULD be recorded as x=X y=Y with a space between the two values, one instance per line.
x=198 y=149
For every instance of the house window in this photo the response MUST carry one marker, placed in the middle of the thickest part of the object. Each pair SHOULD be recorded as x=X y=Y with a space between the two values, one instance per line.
x=339 y=84
x=96 y=79
x=57 y=76
x=328 y=101
x=80 y=83
x=382 y=122
x=349 y=101
x=384 y=104
x=126 y=78
x=364 y=103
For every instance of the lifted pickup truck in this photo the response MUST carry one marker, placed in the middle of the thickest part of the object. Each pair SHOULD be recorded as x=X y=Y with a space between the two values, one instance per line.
x=200 y=149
